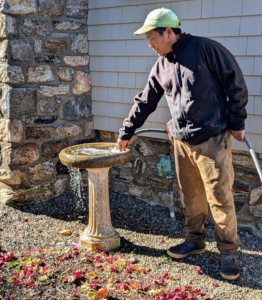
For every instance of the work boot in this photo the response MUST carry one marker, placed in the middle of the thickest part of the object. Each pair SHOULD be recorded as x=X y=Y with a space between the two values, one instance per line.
x=185 y=249
x=229 y=269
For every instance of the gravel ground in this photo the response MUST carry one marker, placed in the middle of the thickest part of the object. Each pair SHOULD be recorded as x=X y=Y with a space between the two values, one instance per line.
x=146 y=232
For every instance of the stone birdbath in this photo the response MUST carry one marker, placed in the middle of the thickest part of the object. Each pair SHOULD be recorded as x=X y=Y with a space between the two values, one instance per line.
x=97 y=159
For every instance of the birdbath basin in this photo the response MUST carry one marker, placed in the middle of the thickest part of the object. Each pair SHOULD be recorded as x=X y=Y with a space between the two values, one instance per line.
x=97 y=158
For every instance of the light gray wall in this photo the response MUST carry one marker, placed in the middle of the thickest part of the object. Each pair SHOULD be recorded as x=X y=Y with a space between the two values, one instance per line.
x=120 y=61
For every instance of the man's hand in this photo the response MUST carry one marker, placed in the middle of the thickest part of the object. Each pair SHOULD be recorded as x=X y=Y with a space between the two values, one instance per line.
x=238 y=135
x=122 y=144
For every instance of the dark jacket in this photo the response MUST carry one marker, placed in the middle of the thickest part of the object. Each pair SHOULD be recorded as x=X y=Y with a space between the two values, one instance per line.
x=204 y=88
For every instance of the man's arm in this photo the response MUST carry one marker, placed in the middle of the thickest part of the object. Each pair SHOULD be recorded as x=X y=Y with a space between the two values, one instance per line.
x=145 y=103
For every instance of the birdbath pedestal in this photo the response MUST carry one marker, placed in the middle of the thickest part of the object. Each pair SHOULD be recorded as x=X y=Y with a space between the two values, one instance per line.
x=97 y=159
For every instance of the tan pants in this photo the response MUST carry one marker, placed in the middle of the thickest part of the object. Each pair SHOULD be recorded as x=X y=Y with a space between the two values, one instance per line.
x=205 y=175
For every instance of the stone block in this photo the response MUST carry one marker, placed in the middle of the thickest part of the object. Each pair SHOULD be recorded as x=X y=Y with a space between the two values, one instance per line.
x=20 y=51
x=18 y=7
x=50 y=91
x=4 y=50
x=7 y=193
x=76 y=108
x=48 y=59
x=79 y=43
x=40 y=74
x=51 y=8
x=35 y=27
x=68 y=25
x=12 y=177
x=59 y=35
x=256 y=194
x=89 y=126
x=41 y=119
x=36 y=133
x=15 y=102
x=11 y=131
x=138 y=166
x=68 y=130
x=76 y=60
x=5 y=154
x=143 y=149
x=65 y=74
x=24 y=154
x=55 y=46
x=81 y=83
x=41 y=192
x=38 y=46
x=256 y=210
x=8 y=26
x=51 y=149
x=42 y=172
x=11 y=74
x=48 y=105
x=70 y=109
x=77 y=9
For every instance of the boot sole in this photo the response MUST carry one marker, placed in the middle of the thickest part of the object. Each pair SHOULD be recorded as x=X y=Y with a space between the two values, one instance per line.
x=229 y=277
x=178 y=256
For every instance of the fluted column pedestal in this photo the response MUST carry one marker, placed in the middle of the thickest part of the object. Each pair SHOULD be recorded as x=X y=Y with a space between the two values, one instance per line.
x=100 y=234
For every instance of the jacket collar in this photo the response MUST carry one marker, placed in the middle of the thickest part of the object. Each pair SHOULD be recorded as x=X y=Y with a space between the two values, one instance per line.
x=180 y=44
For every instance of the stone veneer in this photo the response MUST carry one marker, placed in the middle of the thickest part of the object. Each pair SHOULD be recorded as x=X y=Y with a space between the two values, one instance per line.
x=45 y=102
x=140 y=177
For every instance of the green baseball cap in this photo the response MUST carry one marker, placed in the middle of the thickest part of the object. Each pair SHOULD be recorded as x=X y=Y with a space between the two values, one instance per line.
x=161 y=17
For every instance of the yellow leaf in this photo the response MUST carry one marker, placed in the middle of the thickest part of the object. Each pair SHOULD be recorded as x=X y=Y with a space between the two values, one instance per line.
x=65 y=232
x=85 y=287
x=91 y=275
x=158 y=292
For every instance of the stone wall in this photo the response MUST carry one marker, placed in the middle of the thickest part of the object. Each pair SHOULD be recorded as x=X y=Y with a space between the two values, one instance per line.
x=45 y=102
x=140 y=177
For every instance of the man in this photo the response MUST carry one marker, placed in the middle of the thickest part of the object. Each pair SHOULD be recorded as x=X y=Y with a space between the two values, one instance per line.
x=206 y=93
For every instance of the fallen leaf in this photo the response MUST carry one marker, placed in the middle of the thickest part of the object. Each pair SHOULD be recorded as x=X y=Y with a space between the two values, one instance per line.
x=85 y=287
x=101 y=294
x=91 y=275
x=158 y=292
x=65 y=232
x=42 y=278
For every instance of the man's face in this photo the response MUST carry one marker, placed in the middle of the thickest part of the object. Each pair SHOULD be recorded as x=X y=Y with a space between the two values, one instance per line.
x=161 y=44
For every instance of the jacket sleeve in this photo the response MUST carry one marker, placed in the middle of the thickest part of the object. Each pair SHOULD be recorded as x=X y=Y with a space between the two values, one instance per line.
x=225 y=67
x=145 y=103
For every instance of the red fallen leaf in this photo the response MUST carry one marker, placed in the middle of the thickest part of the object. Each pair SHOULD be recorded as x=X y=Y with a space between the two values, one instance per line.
x=25 y=252
x=215 y=284
x=15 y=282
x=74 y=294
x=199 y=272
x=109 y=260
x=94 y=284
x=78 y=273
x=28 y=272
x=38 y=252
x=64 y=257
x=26 y=220
x=161 y=241
x=159 y=282
x=9 y=256
x=122 y=286
x=16 y=274
x=28 y=283
x=166 y=276
x=98 y=258
x=129 y=268
x=1 y=278
x=8 y=297
x=113 y=268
